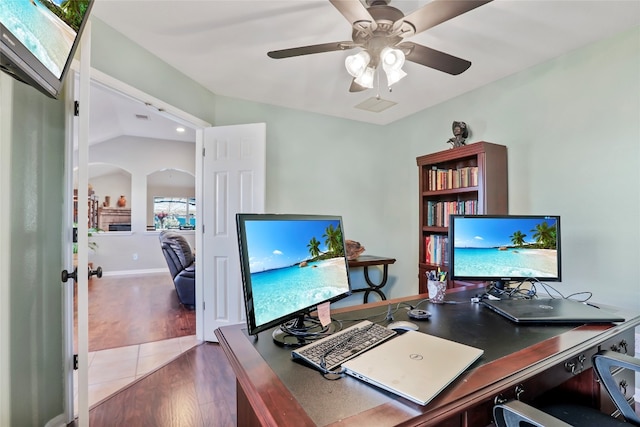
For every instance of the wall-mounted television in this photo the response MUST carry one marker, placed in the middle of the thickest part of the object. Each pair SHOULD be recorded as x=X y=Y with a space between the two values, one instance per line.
x=290 y=264
x=38 y=39
x=504 y=248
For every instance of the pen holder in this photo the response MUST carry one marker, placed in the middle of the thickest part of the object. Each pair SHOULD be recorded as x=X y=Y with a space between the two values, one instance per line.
x=436 y=291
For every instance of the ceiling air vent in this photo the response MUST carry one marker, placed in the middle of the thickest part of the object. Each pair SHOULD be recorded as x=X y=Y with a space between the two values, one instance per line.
x=375 y=104
x=142 y=117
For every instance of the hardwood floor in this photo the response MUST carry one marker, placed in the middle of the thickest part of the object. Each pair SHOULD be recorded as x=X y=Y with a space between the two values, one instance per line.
x=128 y=310
x=196 y=389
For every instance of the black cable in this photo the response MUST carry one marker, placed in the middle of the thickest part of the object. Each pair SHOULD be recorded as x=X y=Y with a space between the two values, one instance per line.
x=546 y=287
x=384 y=315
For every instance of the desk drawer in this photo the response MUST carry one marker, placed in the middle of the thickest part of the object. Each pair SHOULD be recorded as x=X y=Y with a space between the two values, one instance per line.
x=625 y=344
x=580 y=383
x=571 y=381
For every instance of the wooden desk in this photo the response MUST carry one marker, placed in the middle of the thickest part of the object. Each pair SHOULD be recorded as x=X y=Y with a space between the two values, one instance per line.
x=273 y=390
x=367 y=261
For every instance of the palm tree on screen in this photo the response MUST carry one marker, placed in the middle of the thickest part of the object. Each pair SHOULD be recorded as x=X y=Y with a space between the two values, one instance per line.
x=517 y=238
x=333 y=240
x=74 y=11
x=314 y=247
x=545 y=235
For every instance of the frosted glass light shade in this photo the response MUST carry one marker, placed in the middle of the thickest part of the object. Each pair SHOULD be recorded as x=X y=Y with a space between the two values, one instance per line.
x=357 y=64
x=394 y=76
x=392 y=58
x=392 y=62
x=366 y=78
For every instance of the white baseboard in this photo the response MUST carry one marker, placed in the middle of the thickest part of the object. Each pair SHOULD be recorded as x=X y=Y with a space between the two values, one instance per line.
x=135 y=272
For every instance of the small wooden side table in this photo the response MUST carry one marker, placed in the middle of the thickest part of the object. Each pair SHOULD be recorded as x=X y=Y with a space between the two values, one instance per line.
x=367 y=261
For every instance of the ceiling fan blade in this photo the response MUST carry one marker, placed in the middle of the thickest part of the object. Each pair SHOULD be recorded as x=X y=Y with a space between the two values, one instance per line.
x=439 y=11
x=434 y=58
x=308 y=50
x=355 y=87
x=355 y=12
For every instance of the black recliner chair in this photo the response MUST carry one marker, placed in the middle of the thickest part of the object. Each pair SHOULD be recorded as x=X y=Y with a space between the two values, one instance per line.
x=182 y=265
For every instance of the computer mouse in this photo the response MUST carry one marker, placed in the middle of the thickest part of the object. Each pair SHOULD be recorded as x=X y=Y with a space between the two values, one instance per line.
x=402 y=325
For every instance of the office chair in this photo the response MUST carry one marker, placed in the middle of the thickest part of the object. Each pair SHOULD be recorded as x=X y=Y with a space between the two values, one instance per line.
x=518 y=414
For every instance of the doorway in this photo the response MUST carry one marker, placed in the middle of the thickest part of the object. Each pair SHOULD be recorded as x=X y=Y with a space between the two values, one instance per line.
x=121 y=125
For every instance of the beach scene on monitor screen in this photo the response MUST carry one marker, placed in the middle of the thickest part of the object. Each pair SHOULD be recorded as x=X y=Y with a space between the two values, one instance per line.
x=45 y=28
x=294 y=265
x=498 y=247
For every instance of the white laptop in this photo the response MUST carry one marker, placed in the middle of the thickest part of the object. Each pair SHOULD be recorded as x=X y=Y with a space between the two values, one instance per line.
x=413 y=365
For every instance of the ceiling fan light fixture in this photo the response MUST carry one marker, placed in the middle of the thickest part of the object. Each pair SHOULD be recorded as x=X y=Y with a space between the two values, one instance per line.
x=366 y=78
x=392 y=62
x=357 y=64
x=392 y=58
x=394 y=76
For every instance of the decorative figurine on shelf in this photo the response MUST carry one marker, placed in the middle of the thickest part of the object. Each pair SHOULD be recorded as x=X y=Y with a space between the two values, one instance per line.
x=107 y=201
x=460 y=134
x=122 y=202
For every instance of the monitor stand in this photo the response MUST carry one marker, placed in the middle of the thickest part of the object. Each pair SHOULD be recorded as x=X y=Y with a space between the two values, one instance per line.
x=303 y=330
x=500 y=285
x=498 y=289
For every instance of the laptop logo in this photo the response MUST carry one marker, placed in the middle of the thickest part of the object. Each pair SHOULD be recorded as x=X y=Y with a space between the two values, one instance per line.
x=415 y=356
x=545 y=307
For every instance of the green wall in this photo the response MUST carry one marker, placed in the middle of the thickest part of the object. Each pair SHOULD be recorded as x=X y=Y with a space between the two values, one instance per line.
x=572 y=128
x=35 y=290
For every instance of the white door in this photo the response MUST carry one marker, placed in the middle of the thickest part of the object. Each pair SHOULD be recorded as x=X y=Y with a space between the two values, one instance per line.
x=233 y=180
x=71 y=132
x=82 y=281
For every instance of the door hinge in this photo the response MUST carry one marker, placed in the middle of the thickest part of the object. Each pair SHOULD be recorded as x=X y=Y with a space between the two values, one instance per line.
x=76 y=108
x=202 y=228
x=203 y=151
x=75 y=362
x=203 y=305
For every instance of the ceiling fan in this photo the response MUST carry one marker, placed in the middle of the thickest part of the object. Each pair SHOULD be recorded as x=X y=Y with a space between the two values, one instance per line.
x=380 y=30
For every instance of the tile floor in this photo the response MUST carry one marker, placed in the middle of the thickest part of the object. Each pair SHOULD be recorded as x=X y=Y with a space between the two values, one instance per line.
x=111 y=370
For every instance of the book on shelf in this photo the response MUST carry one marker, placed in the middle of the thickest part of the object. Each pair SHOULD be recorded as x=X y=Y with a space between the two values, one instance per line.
x=438 y=212
x=436 y=249
x=446 y=179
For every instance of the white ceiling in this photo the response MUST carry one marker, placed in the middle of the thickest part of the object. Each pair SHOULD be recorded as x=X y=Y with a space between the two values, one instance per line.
x=111 y=114
x=223 y=45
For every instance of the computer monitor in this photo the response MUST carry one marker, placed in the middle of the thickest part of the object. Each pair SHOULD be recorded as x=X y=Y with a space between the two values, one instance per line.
x=504 y=248
x=38 y=39
x=290 y=264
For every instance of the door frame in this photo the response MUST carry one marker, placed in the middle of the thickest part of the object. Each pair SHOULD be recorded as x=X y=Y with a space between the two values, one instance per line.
x=179 y=116
x=6 y=97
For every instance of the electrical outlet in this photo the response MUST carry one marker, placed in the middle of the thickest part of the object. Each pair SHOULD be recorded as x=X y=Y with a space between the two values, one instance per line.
x=135 y=257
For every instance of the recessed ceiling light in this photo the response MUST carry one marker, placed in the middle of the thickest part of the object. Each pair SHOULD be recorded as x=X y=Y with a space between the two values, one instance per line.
x=179 y=129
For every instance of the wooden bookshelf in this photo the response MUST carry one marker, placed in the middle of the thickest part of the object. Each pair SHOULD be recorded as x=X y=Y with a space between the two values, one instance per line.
x=471 y=179
x=92 y=203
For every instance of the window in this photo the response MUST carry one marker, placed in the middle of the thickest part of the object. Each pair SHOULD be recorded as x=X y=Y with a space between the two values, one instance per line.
x=174 y=213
